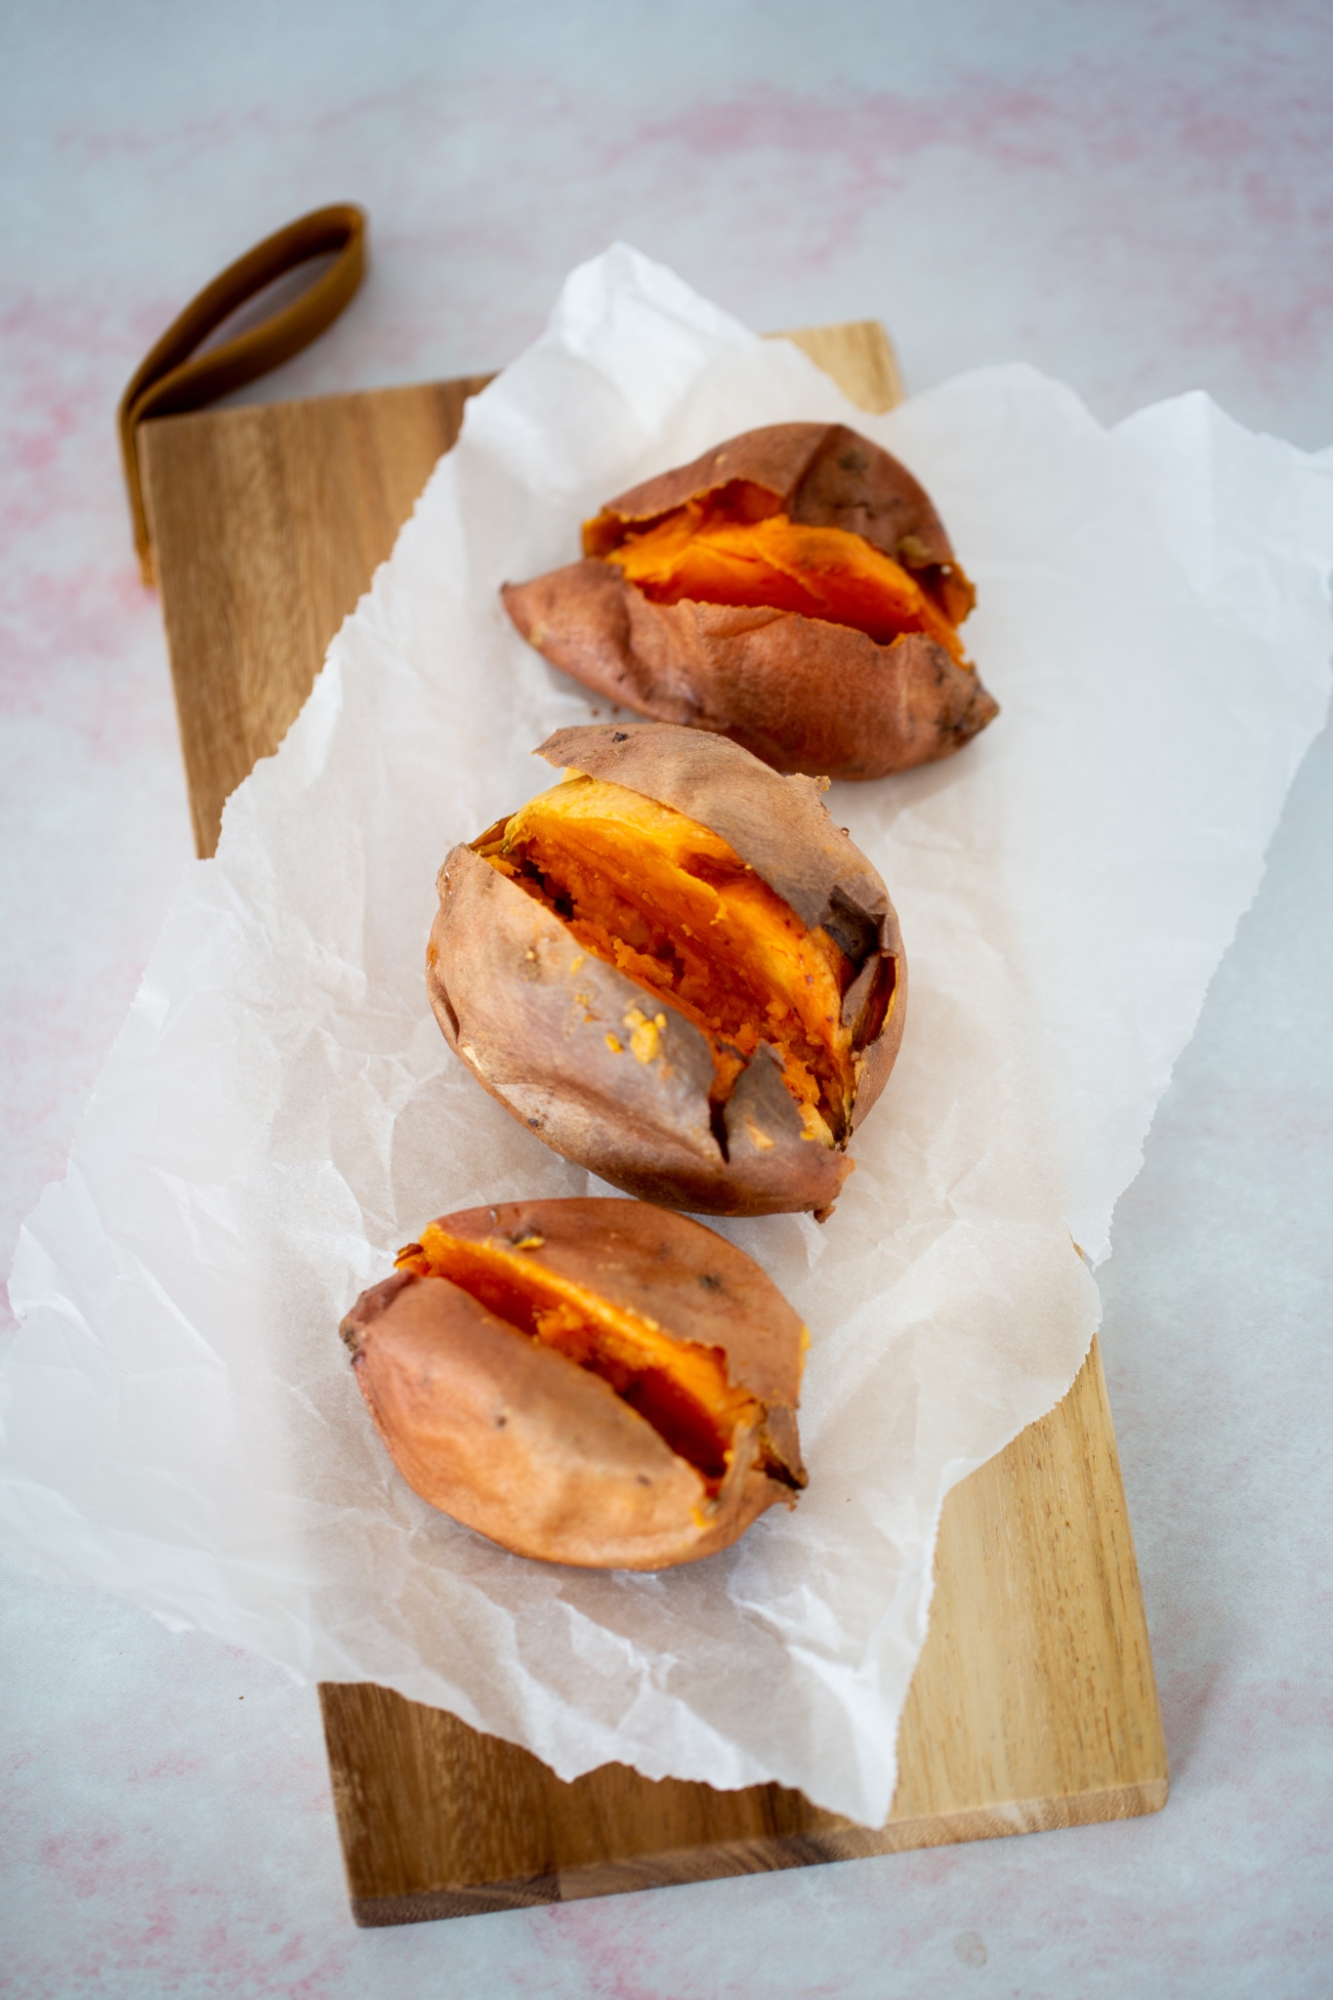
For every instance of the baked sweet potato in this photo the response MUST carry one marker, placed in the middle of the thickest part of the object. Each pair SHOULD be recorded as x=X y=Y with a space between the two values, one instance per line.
x=676 y=970
x=589 y=1382
x=792 y=589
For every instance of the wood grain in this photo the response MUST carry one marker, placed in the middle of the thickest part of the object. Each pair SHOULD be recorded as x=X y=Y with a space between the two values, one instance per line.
x=859 y=355
x=1033 y=1705
x=268 y=523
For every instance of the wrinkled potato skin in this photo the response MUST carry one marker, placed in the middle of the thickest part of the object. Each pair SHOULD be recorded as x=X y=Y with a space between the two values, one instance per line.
x=801 y=693
x=528 y=1010
x=539 y=1455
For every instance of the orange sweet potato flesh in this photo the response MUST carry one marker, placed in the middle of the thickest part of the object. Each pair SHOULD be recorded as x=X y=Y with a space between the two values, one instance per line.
x=676 y=970
x=591 y=1382
x=820 y=572
x=793 y=589
x=675 y=908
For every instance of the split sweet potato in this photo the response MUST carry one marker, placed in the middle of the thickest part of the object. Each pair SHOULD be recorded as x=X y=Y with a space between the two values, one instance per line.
x=593 y=1382
x=793 y=589
x=676 y=970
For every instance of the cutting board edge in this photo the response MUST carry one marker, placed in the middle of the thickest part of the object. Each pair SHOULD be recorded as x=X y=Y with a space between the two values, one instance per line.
x=680 y=1867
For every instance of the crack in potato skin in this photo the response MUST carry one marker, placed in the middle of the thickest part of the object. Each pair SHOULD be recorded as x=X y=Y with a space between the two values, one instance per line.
x=777 y=564
x=673 y=906
x=680 y=1387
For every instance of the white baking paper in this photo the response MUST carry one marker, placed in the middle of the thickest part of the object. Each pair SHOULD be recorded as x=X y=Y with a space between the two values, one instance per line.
x=280 y=1111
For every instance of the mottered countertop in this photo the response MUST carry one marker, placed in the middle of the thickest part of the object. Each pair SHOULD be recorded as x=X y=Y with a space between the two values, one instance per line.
x=1137 y=199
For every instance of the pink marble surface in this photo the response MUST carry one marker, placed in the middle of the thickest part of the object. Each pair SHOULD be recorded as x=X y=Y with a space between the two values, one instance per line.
x=1139 y=199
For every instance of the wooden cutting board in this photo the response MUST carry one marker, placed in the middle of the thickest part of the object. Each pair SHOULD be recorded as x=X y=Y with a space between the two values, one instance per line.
x=1034 y=1703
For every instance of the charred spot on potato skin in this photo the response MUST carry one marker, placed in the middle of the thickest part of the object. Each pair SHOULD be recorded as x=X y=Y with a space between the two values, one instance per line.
x=681 y=1388
x=717 y=1122
x=776 y=1469
x=370 y=1306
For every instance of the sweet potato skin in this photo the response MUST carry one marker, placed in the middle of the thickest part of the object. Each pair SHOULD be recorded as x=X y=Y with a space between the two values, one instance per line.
x=799 y=693
x=518 y=1442
x=804 y=694
x=541 y=1023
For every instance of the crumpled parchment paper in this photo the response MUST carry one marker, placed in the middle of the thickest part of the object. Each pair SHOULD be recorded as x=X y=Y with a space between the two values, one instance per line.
x=280 y=1111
